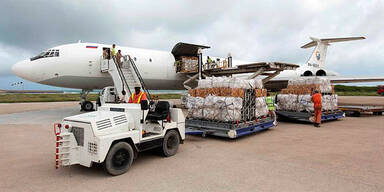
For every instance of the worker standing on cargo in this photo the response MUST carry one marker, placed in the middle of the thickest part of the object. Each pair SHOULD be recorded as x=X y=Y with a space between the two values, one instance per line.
x=209 y=60
x=137 y=96
x=316 y=99
x=271 y=107
x=225 y=63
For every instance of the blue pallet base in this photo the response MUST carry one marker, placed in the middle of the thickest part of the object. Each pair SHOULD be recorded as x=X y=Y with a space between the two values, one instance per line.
x=221 y=129
x=253 y=129
x=328 y=117
x=193 y=132
x=305 y=116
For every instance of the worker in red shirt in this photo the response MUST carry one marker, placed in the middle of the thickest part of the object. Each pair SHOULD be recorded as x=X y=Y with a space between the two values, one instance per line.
x=316 y=99
x=137 y=96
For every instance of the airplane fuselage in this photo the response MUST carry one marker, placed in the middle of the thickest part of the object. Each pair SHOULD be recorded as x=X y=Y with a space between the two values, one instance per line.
x=78 y=66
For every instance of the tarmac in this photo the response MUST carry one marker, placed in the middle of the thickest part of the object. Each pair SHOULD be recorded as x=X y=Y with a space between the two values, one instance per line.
x=342 y=155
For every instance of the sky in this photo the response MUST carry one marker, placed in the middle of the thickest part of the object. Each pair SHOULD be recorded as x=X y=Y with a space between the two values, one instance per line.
x=263 y=30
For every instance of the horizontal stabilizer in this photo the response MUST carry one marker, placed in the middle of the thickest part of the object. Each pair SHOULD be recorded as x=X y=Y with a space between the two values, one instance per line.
x=315 y=41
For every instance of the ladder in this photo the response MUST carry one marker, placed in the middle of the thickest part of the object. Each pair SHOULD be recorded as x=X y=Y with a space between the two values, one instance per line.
x=125 y=77
x=137 y=76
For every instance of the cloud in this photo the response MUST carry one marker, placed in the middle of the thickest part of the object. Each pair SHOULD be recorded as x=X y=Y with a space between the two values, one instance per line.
x=251 y=30
x=9 y=55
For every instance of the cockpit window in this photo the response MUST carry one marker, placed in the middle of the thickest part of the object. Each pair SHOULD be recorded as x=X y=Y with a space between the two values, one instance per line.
x=48 y=53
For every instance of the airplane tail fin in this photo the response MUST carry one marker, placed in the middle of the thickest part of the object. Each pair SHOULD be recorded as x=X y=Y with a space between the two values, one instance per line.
x=317 y=59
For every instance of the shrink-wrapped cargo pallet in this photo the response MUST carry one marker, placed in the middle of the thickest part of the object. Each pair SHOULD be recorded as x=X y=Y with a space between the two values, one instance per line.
x=230 y=82
x=293 y=102
x=189 y=64
x=297 y=95
x=227 y=99
x=311 y=83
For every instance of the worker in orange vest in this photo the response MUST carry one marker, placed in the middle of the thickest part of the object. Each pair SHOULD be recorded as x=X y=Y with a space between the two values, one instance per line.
x=316 y=99
x=137 y=96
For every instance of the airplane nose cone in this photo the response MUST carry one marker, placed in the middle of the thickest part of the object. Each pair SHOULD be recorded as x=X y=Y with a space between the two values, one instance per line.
x=24 y=70
x=17 y=69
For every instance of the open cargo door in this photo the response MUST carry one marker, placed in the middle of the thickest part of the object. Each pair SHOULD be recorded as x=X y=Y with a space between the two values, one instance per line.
x=186 y=49
x=186 y=56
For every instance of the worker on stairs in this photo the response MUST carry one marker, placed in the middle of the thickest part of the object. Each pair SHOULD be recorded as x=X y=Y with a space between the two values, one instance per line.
x=137 y=96
x=113 y=51
x=271 y=107
x=316 y=99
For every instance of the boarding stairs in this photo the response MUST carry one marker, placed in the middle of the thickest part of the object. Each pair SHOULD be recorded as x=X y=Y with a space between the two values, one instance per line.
x=125 y=77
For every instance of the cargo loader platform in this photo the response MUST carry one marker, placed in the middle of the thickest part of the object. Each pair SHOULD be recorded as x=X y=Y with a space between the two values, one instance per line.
x=356 y=110
x=226 y=129
x=197 y=70
x=307 y=116
x=262 y=68
x=267 y=69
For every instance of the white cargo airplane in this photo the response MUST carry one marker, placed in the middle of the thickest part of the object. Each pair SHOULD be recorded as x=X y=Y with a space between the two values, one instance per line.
x=78 y=66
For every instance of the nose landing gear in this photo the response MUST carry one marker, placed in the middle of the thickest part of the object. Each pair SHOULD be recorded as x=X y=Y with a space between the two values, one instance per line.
x=85 y=105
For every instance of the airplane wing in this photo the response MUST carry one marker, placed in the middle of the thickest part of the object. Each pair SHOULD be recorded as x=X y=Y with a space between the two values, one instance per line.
x=278 y=83
x=358 y=79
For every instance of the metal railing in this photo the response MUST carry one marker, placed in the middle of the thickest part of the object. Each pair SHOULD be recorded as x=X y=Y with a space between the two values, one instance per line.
x=138 y=75
x=121 y=74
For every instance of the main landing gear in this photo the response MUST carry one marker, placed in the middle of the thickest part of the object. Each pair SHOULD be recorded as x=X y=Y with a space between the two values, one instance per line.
x=85 y=105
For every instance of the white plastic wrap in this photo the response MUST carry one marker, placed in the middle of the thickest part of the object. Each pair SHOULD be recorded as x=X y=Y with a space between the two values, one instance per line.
x=204 y=83
x=217 y=82
x=261 y=107
x=220 y=108
x=256 y=83
x=291 y=102
x=226 y=82
x=325 y=84
x=189 y=63
x=231 y=82
x=215 y=108
x=195 y=107
x=329 y=102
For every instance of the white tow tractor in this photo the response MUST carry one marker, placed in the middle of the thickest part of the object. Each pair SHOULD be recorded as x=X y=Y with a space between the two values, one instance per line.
x=107 y=95
x=115 y=133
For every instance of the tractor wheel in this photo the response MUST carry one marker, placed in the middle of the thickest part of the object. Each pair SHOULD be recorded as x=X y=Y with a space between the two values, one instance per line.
x=87 y=106
x=119 y=158
x=171 y=143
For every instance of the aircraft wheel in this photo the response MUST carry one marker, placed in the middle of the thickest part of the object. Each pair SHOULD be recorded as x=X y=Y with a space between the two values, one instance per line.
x=87 y=106
x=119 y=159
x=171 y=143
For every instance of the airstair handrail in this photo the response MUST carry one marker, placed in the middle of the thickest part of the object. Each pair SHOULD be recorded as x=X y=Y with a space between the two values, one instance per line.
x=139 y=77
x=121 y=74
